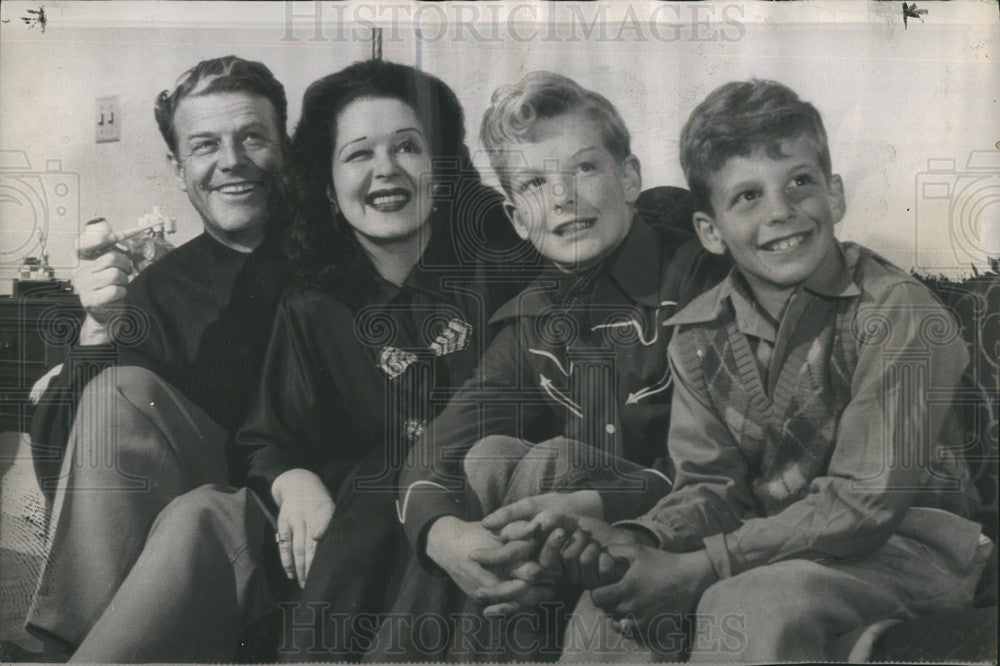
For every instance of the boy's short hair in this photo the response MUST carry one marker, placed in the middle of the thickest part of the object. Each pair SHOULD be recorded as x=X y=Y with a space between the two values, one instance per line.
x=226 y=74
x=515 y=108
x=739 y=117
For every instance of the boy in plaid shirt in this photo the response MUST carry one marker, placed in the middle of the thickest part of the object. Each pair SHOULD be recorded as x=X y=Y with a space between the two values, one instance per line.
x=819 y=484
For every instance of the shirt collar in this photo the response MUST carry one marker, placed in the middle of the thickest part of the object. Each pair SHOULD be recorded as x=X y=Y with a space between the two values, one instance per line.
x=833 y=279
x=223 y=264
x=637 y=262
x=425 y=277
x=750 y=317
x=835 y=276
x=634 y=267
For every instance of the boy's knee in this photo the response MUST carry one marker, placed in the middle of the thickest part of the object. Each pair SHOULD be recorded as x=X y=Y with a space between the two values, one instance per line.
x=558 y=448
x=493 y=452
x=567 y=461
x=785 y=591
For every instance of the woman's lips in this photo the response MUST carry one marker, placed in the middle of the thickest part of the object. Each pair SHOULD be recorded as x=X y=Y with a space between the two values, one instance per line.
x=389 y=201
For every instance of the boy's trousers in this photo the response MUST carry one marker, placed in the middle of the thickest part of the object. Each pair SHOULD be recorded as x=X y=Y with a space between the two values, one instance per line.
x=801 y=610
x=502 y=470
x=129 y=564
x=499 y=470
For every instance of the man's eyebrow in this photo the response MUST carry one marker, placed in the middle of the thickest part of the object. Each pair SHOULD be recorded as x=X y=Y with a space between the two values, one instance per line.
x=582 y=150
x=254 y=124
x=201 y=135
x=525 y=172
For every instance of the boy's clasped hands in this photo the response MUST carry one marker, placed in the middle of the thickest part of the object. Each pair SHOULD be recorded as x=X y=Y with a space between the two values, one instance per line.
x=551 y=550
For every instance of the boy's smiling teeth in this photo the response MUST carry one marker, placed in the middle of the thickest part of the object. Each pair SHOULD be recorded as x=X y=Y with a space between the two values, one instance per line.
x=237 y=188
x=785 y=243
x=576 y=225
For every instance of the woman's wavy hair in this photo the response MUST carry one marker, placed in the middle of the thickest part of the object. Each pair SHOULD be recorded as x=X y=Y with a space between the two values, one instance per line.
x=321 y=244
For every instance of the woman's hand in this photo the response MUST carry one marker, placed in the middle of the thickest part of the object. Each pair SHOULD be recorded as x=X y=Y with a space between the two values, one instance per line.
x=304 y=512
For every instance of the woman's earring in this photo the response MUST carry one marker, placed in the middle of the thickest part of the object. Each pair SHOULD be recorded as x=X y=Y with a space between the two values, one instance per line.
x=331 y=197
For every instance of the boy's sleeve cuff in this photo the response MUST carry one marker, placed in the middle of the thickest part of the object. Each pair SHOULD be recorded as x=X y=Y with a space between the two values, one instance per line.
x=725 y=562
x=628 y=502
x=636 y=527
x=419 y=506
x=647 y=526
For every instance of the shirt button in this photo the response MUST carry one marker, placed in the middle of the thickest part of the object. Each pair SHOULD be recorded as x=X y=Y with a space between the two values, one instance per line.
x=610 y=428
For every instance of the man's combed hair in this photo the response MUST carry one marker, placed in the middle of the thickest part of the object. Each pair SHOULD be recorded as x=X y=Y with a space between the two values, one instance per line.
x=226 y=74
x=514 y=109
x=738 y=118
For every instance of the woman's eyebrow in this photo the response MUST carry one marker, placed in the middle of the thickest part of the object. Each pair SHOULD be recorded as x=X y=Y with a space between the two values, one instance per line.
x=344 y=147
x=409 y=129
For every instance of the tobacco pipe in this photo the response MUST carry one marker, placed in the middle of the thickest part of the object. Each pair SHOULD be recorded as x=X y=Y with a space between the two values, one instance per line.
x=162 y=223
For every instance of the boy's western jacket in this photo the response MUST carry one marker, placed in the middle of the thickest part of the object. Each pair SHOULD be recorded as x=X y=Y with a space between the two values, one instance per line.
x=580 y=355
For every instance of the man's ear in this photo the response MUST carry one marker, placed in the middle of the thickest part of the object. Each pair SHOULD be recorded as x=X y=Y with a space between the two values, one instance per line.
x=515 y=219
x=178 y=169
x=838 y=203
x=708 y=233
x=632 y=178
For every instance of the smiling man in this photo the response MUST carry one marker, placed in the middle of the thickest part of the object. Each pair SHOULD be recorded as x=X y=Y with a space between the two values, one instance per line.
x=159 y=421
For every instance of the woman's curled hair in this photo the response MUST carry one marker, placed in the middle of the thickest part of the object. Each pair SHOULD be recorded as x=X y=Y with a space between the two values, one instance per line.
x=320 y=244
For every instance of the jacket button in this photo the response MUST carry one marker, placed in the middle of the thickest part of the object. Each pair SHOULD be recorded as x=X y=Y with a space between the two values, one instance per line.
x=610 y=428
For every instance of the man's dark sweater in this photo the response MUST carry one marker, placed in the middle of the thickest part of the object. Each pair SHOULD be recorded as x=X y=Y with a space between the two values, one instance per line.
x=200 y=318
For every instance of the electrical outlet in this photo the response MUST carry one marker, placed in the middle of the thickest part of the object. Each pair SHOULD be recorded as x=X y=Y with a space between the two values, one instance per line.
x=109 y=119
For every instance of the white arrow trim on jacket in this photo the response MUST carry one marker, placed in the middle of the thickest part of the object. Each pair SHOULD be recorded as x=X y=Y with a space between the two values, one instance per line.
x=559 y=397
x=634 y=323
x=549 y=355
x=401 y=510
x=662 y=385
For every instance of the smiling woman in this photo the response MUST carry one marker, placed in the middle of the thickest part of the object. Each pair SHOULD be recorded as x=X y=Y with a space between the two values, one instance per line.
x=381 y=177
x=388 y=319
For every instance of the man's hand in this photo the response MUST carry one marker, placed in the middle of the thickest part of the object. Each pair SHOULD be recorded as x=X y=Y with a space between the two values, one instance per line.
x=450 y=544
x=100 y=282
x=581 y=503
x=305 y=509
x=655 y=583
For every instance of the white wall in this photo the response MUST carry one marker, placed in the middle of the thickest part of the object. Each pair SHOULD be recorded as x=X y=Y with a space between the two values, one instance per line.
x=892 y=99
